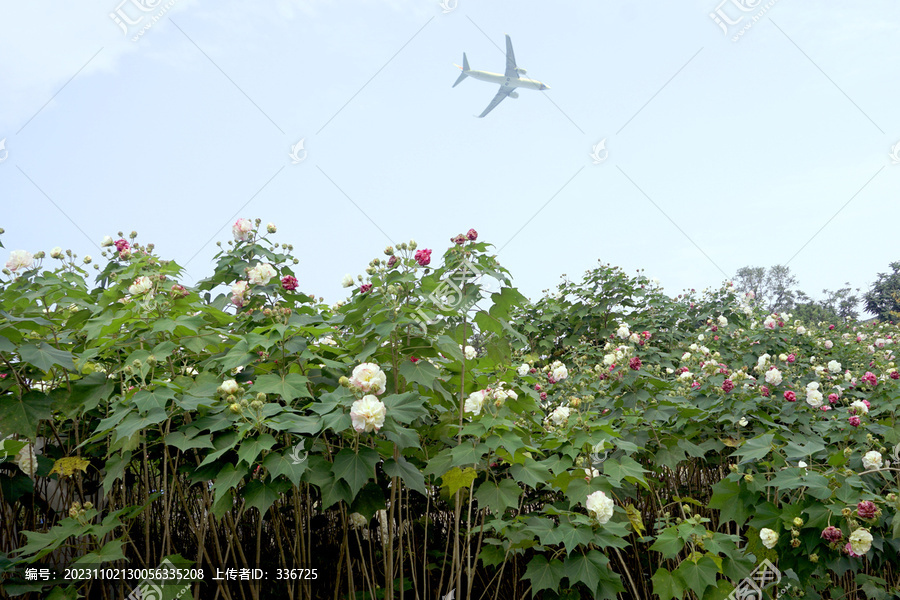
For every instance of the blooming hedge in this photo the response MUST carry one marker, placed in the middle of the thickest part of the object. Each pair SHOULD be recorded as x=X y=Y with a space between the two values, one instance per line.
x=429 y=435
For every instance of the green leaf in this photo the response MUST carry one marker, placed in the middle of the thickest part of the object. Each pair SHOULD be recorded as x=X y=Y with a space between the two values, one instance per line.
x=668 y=543
x=756 y=448
x=531 y=473
x=45 y=357
x=697 y=576
x=666 y=586
x=499 y=497
x=573 y=535
x=183 y=442
x=290 y=387
x=626 y=468
x=410 y=475
x=251 y=448
x=228 y=477
x=290 y=464
x=726 y=498
x=135 y=422
x=457 y=478
x=544 y=575
x=586 y=568
x=261 y=495
x=369 y=501
x=146 y=400
x=405 y=408
x=355 y=468
x=422 y=372
x=21 y=415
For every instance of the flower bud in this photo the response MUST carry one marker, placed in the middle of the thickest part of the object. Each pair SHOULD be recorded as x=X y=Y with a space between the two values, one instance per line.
x=344 y=381
x=748 y=478
x=261 y=397
x=245 y=403
x=846 y=512
x=39 y=254
x=413 y=245
x=795 y=543
x=151 y=360
x=88 y=505
x=256 y=405
x=235 y=408
x=814 y=558
x=389 y=251
x=798 y=522
x=87 y=259
x=271 y=228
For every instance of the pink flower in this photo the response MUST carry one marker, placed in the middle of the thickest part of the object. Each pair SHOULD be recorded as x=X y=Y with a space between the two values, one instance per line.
x=895 y=374
x=365 y=288
x=537 y=387
x=764 y=390
x=824 y=408
x=472 y=235
x=459 y=240
x=832 y=398
x=849 y=550
x=714 y=328
x=870 y=378
x=830 y=327
x=179 y=290
x=413 y=359
x=635 y=363
x=791 y=357
x=392 y=261
x=727 y=386
x=122 y=245
x=866 y=509
x=242 y=230
x=695 y=385
x=289 y=283
x=543 y=395
x=646 y=335
x=854 y=420
x=790 y=396
x=832 y=534
x=423 y=257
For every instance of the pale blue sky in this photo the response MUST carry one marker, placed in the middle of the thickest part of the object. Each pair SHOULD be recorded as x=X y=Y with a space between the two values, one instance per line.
x=744 y=149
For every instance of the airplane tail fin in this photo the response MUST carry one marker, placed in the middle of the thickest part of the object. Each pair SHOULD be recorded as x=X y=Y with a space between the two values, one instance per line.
x=464 y=68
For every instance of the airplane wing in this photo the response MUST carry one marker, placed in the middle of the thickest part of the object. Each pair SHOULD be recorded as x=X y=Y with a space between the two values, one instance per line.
x=510 y=60
x=503 y=93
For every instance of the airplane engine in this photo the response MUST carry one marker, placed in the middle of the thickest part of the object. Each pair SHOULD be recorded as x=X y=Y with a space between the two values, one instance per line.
x=514 y=94
x=521 y=71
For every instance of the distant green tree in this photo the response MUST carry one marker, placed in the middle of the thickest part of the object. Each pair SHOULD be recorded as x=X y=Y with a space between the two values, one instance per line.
x=882 y=298
x=838 y=305
x=773 y=288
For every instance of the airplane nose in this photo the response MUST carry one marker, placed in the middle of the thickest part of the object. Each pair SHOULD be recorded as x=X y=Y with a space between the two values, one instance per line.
x=544 y=86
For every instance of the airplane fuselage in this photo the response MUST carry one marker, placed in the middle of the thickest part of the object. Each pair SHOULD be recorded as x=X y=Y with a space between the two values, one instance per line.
x=506 y=81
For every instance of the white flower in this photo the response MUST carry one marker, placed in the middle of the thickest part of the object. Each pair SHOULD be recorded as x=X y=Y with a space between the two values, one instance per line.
x=358 y=521
x=763 y=360
x=56 y=252
x=829 y=344
x=861 y=541
x=367 y=414
x=872 y=460
x=769 y=323
x=241 y=230
x=623 y=331
x=368 y=378
x=802 y=464
x=230 y=387
x=106 y=242
x=347 y=281
x=694 y=347
x=523 y=369
x=19 y=259
x=743 y=422
x=723 y=322
x=558 y=371
x=590 y=473
x=834 y=366
x=140 y=286
x=27 y=460
x=701 y=337
x=686 y=375
x=600 y=506
x=812 y=385
x=801 y=330
x=261 y=274
x=773 y=377
x=686 y=356
x=474 y=402
x=814 y=398
x=560 y=415
x=239 y=292
x=512 y=394
x=782 y=357
x=634 y=338
x=769 y=538
x=860 y=407
x=468 y=352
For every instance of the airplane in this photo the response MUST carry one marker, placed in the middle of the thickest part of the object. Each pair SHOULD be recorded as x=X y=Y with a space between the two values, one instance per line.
x=508 y=81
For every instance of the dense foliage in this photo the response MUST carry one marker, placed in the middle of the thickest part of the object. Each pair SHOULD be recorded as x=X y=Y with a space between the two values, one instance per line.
x=427 y=436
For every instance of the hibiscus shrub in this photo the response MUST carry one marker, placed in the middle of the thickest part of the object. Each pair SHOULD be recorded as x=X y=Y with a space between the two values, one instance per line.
x=435 y=432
